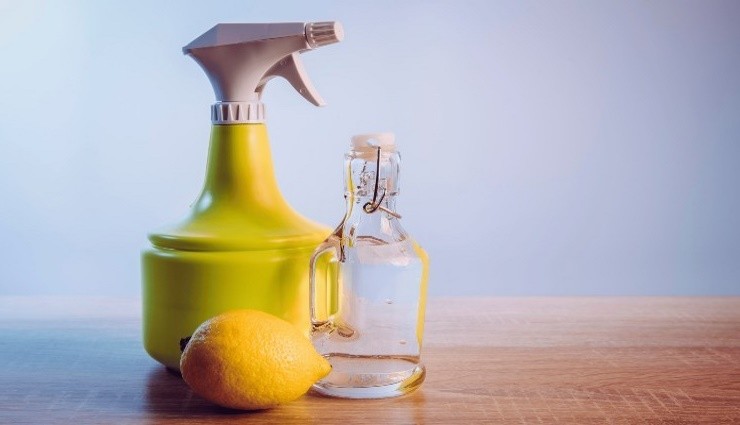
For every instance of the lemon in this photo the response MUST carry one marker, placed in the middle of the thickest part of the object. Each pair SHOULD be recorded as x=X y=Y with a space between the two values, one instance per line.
x=248 y=359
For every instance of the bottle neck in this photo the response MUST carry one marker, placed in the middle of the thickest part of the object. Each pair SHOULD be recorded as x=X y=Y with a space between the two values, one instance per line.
x=356 y=207
x=371 y=177
x=239 y=171
x=371 y=189
x=375 y=226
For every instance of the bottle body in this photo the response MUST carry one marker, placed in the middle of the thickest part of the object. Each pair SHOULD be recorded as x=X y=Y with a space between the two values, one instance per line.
x=373 y=337
x=369 y=321
x=241 y=247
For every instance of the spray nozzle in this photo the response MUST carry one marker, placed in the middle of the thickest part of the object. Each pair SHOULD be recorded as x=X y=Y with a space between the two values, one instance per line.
x=240 y=59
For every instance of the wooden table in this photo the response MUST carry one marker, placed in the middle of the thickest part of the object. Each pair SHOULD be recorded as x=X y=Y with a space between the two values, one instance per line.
x=489 y=360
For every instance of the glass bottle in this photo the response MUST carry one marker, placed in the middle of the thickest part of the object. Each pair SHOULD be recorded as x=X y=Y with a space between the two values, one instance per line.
x=368 y=284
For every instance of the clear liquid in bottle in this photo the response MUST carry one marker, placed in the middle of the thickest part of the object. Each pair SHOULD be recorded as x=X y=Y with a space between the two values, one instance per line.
x=373 y=344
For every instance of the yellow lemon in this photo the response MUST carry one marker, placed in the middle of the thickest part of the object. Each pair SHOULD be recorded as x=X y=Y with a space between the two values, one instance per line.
x=247 y=359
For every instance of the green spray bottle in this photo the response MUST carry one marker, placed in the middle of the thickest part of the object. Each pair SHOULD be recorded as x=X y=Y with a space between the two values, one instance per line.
x=242 y=245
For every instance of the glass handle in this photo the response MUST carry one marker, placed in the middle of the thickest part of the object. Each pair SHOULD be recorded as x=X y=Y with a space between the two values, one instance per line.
x=320 y=297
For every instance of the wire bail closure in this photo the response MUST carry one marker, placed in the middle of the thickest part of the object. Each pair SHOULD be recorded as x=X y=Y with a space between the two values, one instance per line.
x=375 y=204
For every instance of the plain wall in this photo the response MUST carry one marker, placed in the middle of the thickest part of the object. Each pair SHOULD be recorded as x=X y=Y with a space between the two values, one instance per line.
x=549 y=147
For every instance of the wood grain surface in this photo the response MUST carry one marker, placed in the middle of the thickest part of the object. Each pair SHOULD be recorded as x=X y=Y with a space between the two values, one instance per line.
x=490 y=360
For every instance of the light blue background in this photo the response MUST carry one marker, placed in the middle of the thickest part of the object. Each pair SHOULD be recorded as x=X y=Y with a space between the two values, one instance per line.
x=550 y=147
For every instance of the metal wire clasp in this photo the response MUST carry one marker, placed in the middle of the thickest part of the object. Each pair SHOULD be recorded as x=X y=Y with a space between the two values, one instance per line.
x=375 y=204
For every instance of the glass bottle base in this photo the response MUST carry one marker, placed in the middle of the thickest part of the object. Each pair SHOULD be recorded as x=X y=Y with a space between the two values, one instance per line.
x=370 y=376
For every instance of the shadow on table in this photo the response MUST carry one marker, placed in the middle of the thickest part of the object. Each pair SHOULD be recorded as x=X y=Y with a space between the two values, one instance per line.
x=167 y=395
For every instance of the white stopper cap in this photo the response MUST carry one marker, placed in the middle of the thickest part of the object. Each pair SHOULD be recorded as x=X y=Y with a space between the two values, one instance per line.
x=371 y=141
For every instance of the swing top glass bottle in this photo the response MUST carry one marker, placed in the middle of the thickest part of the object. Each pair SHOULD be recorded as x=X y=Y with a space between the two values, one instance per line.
x=368 y=284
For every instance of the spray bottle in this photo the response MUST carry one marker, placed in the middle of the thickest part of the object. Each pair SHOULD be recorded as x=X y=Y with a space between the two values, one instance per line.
x=242 y=246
